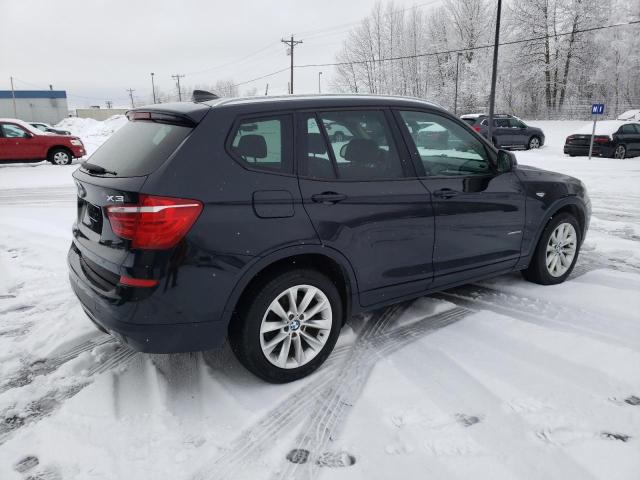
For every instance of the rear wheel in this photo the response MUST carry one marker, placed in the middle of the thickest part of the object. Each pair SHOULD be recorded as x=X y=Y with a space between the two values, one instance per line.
x=534 y=142
x=288 y=326
x=60 y=156
x=557 y=251
x=620 y=152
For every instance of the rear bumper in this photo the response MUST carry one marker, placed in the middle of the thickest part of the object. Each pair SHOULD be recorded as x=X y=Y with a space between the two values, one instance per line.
x=159 y=335
x=583 y=150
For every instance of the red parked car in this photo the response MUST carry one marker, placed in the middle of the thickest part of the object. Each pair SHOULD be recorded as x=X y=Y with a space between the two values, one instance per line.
x=21 y=142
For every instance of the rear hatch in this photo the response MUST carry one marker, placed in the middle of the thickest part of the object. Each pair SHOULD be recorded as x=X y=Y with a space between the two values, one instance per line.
x=109 y=208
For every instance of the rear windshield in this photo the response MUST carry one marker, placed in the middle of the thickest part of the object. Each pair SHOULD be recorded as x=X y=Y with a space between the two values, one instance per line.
x=139 y=147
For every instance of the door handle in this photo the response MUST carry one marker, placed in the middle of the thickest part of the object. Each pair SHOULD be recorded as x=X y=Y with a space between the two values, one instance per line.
x=445 y=193
x=328 y=198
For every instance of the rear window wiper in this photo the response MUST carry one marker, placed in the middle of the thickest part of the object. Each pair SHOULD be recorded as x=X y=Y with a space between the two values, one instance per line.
x=91 y=168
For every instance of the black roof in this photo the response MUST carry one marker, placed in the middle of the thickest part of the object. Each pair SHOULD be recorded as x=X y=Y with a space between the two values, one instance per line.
x=196 y=111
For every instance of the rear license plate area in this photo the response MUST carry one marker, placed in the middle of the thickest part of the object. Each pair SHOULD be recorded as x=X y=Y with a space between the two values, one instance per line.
x=91 y=217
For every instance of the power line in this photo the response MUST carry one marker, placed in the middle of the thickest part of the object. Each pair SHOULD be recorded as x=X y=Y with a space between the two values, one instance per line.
x=261 y=77
x=462 y=50
x=314 y=33
x=234 y=62
x=441 y=52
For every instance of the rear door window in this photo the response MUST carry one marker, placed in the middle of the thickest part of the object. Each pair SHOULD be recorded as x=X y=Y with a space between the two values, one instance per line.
x=139 y=147
x=261 y=143
x=362 y=145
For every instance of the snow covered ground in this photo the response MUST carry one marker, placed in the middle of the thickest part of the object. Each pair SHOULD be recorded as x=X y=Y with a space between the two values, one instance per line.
x=499 y=380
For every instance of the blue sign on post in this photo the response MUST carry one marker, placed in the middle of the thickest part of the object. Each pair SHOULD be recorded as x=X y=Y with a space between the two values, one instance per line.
x=596 y=109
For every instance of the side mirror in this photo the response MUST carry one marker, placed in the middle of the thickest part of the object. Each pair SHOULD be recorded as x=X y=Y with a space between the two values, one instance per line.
x=506 y=161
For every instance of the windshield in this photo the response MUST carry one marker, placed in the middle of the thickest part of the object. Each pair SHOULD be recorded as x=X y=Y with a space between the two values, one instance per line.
x=139 y=148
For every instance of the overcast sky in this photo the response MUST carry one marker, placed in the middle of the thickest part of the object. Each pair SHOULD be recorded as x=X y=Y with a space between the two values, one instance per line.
x=96 y=49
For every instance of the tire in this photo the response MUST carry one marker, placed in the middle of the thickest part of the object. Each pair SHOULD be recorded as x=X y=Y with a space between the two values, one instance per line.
x=339 y=137
x=538 y=272
x=620 y=152
x=534 y=142
x=60 y=156
x=256 y=328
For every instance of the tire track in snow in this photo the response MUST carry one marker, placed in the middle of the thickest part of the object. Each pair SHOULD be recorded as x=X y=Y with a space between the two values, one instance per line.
x=30 y=372
x=38 y=196
x=325 y=423
x=442 y=378
x=548 y=315
x=46 y=404
x=514 y=349
x=590 y=260
x=256 y=439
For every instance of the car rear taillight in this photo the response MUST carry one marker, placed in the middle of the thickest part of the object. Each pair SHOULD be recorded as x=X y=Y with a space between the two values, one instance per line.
x=569 y=138
x=601 y=139
x=476 y=128
x=156 y=222
x=137 y=282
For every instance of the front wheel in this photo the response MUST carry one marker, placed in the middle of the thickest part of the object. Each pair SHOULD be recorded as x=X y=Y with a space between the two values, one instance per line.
x=288 y=326
x=620 y=152
x=60 y=156
x=339 y=137
x=556 y=252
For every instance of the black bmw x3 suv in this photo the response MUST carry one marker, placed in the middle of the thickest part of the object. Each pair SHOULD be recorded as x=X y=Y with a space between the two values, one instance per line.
x=245 y=219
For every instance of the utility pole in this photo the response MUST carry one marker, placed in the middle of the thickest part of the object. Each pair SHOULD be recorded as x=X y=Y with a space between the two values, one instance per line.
x=109 y=103
x=131 y=90
x=292 y=44
x=319 y=88
x=177 y=77
x=153 y=88
x=492 y=96
x=13 y=95
x=455 y=97
x=266 y=90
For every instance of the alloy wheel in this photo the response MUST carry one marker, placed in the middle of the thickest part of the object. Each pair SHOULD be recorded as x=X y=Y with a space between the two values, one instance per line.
x=534 y=143
x=620 y=152
x=61 y=158
x=296 y=326
x=561 y=249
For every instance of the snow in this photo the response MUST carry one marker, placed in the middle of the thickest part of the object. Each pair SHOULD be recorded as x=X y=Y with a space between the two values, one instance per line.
x=498 y=380
x=603 y=127
x=92 y=132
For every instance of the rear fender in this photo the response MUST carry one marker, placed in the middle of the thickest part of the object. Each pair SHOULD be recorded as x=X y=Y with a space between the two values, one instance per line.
x=263 y=262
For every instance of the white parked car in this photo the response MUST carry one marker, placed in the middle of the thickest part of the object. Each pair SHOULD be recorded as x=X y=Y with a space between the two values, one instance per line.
x=630 y=116
x=45 y=127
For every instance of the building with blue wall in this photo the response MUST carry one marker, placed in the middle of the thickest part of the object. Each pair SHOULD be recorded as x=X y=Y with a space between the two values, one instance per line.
x=49 y=106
